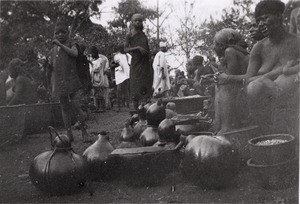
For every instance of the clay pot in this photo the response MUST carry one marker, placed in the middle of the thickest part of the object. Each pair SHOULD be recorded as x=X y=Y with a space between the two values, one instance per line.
x=209 y=161
x=60 y=171
x=96 y=156
x=149 y=136
x=155 y=113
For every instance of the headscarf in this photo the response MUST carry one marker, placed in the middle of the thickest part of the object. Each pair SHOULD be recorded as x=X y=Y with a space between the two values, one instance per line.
x=269 y=7
x=230 y=38
x=197 y=60
x=137 y=16
x=227 y=36
x=162 y=44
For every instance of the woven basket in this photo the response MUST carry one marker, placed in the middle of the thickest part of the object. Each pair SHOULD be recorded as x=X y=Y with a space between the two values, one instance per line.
x=12 y=123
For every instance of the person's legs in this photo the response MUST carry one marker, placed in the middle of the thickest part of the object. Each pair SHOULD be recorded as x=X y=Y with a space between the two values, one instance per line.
x=285 y=85
x=227 y=110
x=261 y=95
x=119 y=95
x=66 y=108
x=80 y=116
x=101 y=99
x=217 y=120
x=106 y=98
x=127 y=92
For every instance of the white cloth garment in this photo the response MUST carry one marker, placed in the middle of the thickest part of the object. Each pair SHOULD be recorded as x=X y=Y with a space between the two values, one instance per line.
x=122 y=72
x=159 y=66
x=97 y=69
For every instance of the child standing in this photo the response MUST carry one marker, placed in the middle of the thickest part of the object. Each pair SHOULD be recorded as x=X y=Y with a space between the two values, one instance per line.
x=98 y=68
x=64 y=79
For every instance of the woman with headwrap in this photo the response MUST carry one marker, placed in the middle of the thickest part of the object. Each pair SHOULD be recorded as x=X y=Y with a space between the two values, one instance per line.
x=234 y=61
x=141 y=73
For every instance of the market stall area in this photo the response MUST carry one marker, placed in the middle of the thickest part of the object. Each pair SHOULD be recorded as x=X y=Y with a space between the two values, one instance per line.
x=16 y=186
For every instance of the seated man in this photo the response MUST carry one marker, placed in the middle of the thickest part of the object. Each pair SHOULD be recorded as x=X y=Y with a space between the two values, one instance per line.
x=267 y=59
x=23 y=91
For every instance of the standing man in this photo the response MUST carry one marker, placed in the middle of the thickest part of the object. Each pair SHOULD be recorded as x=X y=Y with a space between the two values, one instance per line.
x=122 y=74
x=65 y=82
x=99 y=67
x=161 y=80
x=141 y=75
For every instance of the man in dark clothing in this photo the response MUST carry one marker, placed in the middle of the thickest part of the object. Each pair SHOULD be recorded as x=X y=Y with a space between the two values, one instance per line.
x=141 y=74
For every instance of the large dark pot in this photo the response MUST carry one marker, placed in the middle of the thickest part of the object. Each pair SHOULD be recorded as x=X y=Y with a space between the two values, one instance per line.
x=156 y=113
x=149 y=136
x=59 y=171
x=210 y=162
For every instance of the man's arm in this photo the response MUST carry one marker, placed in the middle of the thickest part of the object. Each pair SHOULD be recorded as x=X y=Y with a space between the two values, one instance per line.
x=132 y=49
x=291 y=67
x=274 y=73
x=70 y=51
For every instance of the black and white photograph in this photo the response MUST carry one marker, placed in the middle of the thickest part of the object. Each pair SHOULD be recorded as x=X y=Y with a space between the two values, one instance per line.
x=149 y=101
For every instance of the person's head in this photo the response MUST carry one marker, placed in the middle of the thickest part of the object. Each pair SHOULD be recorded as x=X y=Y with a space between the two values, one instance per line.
x=120 y=48
x=211 y=59
x=163 y=46
x=197 y=61
x=94 y=52
x=137 y=21
x=242 y=43
x=255 y=32
x=225 y=38
x=15 y=67
x=171 y=106
x=61 y=31
x=268 y=15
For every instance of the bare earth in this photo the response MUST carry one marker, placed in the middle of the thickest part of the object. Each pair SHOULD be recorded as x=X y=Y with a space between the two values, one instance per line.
x=15 y=185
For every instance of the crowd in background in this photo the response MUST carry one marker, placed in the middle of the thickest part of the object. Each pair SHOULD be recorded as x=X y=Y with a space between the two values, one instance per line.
x=130 y=74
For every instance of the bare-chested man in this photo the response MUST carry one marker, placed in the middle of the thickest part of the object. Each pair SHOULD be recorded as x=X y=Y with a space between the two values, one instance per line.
x=267 y=59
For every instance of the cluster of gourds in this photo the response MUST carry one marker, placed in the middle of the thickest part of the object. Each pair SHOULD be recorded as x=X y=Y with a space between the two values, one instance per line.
x=207 y=161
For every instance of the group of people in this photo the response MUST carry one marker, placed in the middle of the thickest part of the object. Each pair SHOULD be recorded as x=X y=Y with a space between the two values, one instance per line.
x=269 y=72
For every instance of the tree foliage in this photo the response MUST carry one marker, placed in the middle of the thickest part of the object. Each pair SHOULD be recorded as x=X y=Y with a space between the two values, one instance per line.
x=188 y=33
x=125 y=10
x=237 y=17
x=29 y=24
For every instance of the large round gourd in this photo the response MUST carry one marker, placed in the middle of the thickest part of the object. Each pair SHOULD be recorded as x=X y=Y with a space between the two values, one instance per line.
x=60 y=171
x=156 y=113
x=210 y=162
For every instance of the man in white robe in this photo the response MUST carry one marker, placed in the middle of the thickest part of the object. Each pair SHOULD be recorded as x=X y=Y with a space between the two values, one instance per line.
x=161 y=80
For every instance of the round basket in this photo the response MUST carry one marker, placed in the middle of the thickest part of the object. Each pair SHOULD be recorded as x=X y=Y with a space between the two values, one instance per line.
x=272 y=149
x=276 y=176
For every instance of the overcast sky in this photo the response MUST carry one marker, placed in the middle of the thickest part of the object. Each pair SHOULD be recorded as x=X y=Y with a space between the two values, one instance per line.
x=203 y=8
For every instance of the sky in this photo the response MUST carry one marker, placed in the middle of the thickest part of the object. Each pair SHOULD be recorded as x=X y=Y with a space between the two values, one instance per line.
x=203 y=8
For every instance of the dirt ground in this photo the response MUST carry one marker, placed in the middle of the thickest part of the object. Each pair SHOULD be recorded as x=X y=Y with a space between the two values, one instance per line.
x=15 y=185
